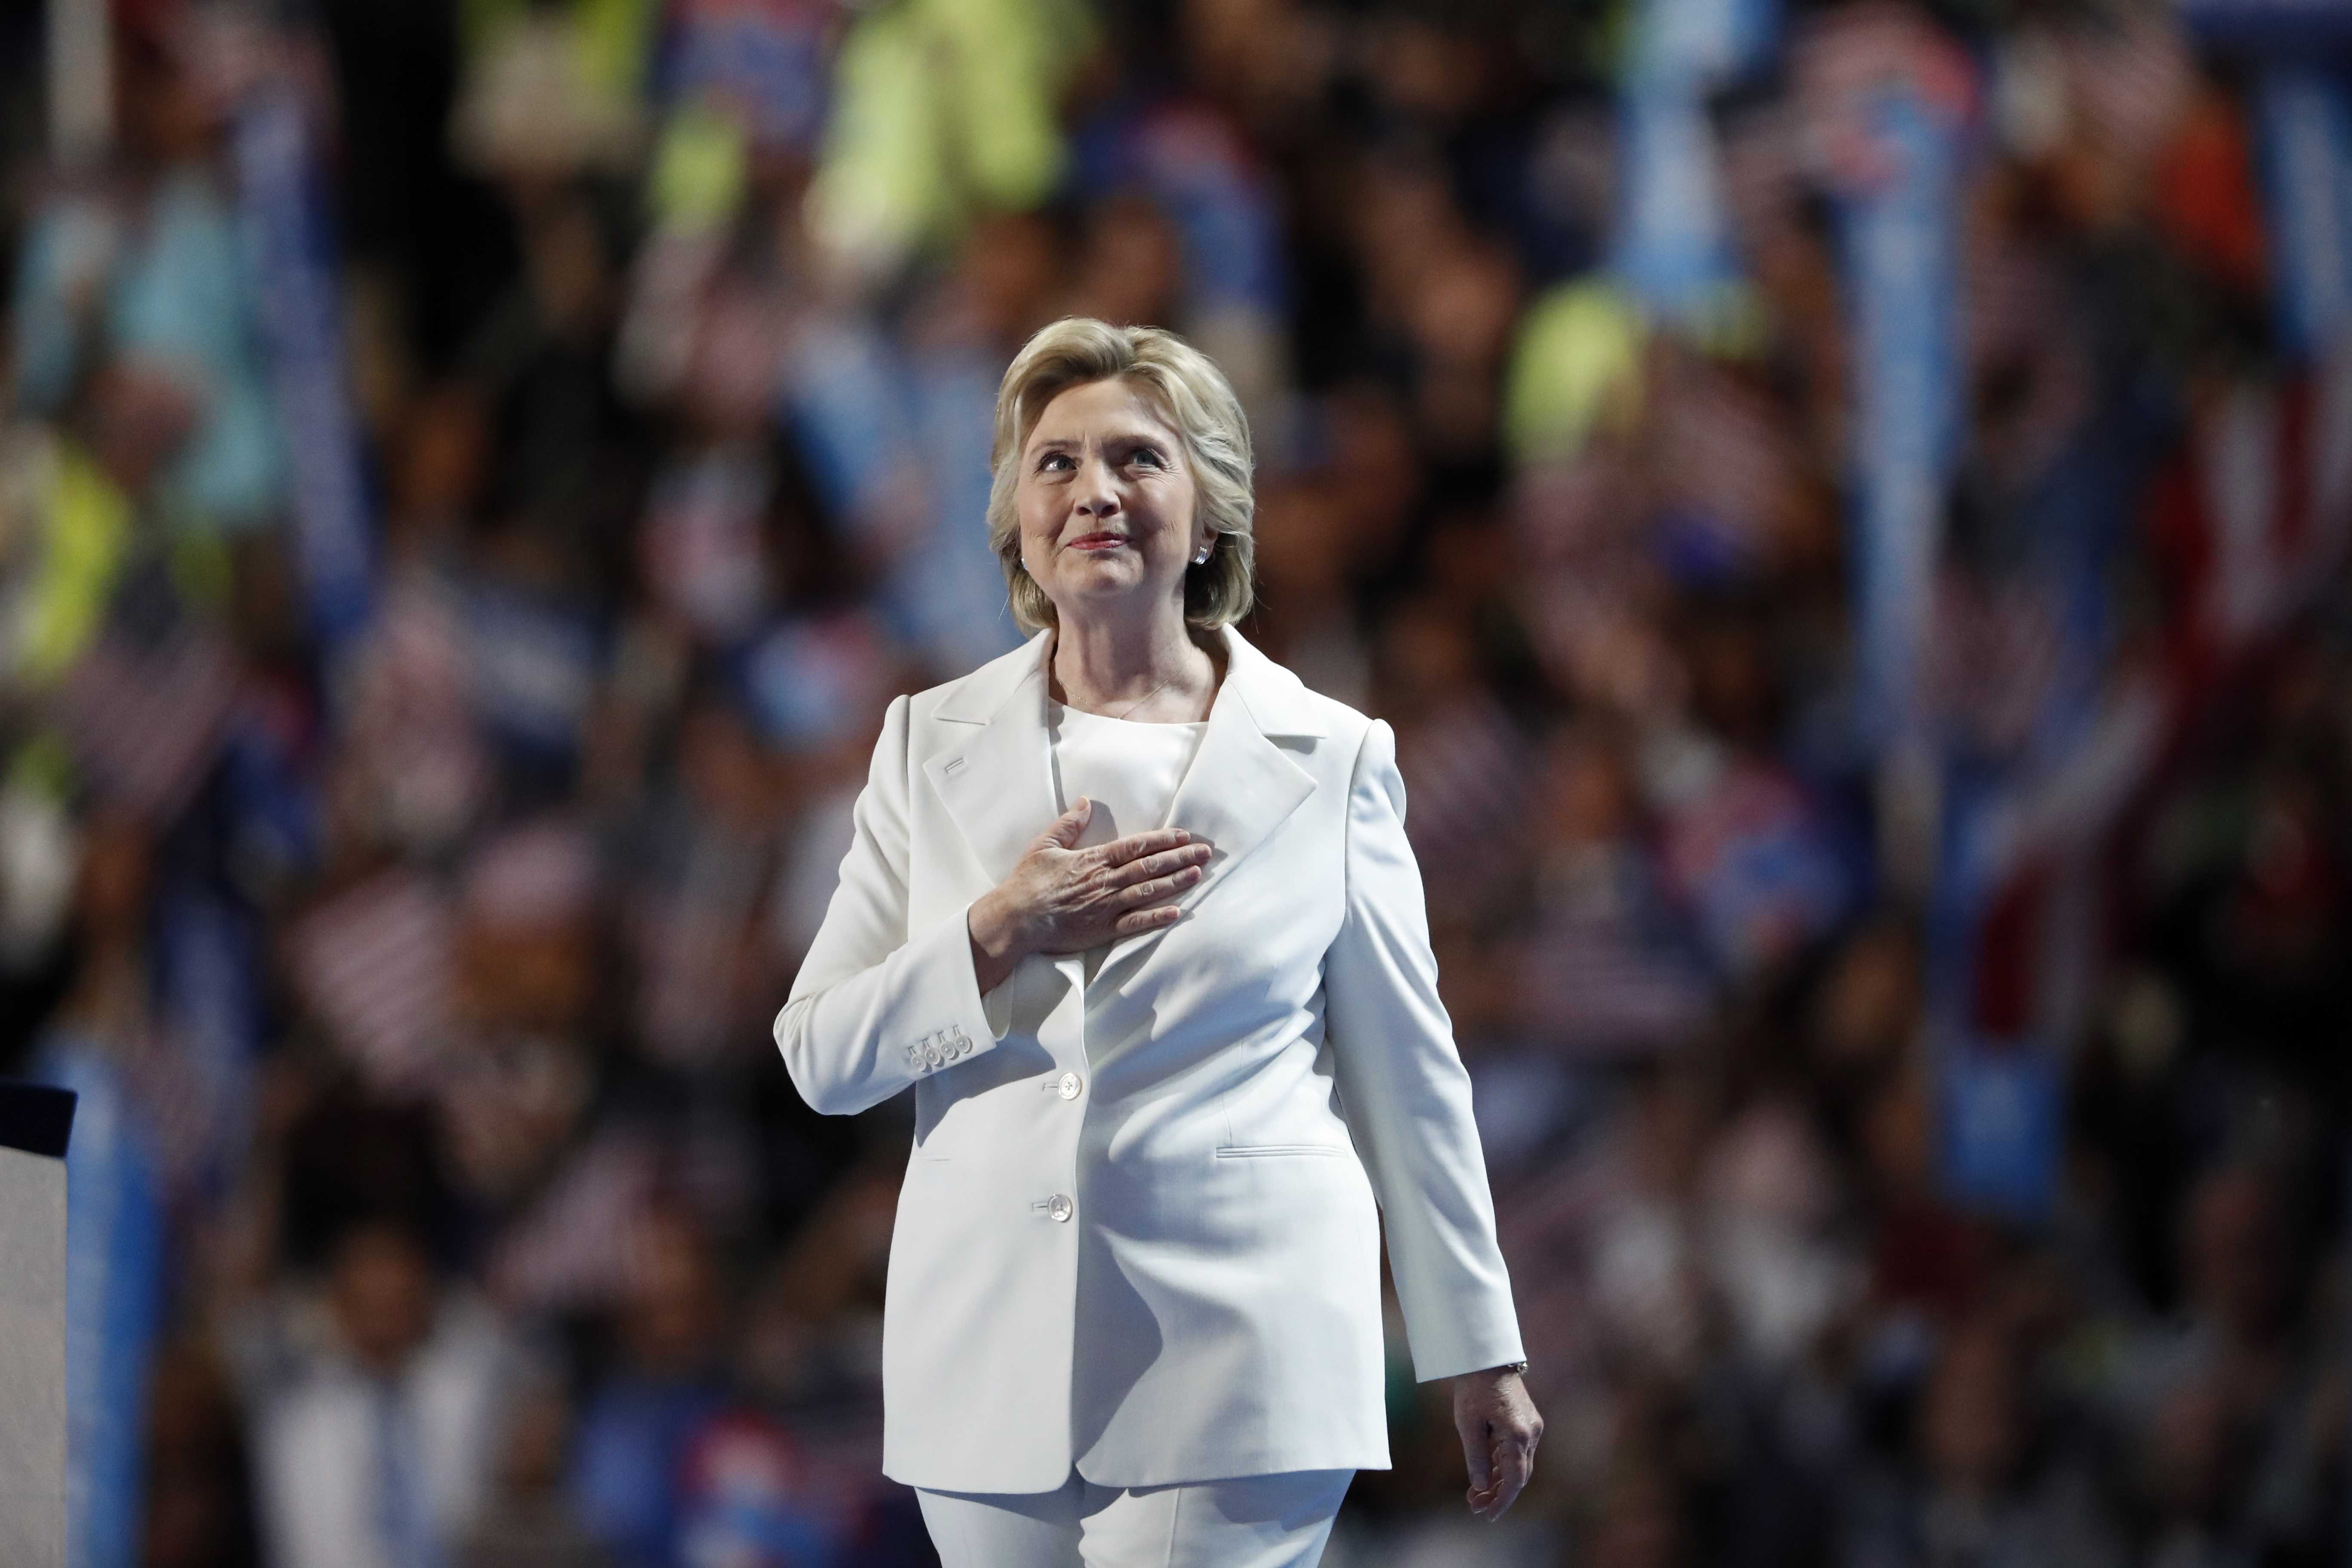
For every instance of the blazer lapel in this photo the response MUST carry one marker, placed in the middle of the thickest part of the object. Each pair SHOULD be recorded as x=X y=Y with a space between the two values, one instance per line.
x=998 y=785
x=1241 y=785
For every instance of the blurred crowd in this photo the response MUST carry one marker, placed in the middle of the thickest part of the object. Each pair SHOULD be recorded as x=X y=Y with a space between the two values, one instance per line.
x=412 y=926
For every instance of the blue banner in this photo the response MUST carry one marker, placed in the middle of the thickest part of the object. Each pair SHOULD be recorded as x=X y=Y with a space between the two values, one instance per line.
x=2306 y=119
x=300 y=312
x=207 y=958
x=1901 y=251
x=1673 y=247
x=1997 y=1114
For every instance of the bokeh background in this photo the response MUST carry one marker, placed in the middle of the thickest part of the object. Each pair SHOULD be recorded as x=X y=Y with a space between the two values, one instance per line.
x=1844 y=506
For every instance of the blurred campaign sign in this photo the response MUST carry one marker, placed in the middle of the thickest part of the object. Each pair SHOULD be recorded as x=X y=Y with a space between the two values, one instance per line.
x=2306 y=135
x=2305 y=118
x=2303 y=105
x=35 y=1124
x=1994 y=1036
x=1898 y=221
x=1756 y=867
x=301 y=311
x=766 y=60
x=1674 y=249
x=2263 y=516
x=1997 y=1112
x=1889 y=101
x=534 y=659
x=749 y=1497
x=207 y=961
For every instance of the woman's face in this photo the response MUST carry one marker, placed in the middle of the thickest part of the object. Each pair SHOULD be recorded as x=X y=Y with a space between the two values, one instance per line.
x=1106 y=504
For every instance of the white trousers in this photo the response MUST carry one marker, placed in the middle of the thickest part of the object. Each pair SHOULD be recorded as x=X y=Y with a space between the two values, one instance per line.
x=1252 y=1522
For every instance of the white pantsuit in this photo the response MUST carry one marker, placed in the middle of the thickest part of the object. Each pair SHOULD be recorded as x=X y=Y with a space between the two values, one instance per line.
x=1137 y=1235
x=1253 y=1522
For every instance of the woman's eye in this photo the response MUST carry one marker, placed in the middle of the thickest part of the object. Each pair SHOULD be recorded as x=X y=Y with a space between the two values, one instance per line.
x=1052 y=462
x=1149 y=457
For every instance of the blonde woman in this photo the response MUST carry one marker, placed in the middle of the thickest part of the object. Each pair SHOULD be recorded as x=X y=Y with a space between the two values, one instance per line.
x=1134 y=912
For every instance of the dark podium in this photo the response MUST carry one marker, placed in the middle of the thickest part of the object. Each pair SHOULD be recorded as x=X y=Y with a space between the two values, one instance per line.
x=34 y=1121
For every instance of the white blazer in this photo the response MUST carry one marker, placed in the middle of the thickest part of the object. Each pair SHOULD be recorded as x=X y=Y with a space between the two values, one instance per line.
x=1137 y=1231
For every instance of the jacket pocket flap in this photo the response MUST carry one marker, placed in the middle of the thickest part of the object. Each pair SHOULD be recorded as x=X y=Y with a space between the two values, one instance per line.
x=1264 y=1150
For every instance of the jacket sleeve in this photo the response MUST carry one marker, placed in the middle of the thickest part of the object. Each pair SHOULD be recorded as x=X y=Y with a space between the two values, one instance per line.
x=1406 y=1096
x=876 y=1005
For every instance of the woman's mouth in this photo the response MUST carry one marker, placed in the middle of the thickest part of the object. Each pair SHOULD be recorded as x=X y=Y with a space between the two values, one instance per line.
x=1098 y=542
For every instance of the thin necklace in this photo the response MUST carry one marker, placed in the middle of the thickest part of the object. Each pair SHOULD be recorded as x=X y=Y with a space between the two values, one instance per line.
x=1144 y=699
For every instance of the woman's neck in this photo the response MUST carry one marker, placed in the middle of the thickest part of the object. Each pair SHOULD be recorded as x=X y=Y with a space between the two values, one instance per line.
x=1153 y=671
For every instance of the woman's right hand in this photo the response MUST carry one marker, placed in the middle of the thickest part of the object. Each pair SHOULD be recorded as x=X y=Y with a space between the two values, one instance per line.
x=1059 y=899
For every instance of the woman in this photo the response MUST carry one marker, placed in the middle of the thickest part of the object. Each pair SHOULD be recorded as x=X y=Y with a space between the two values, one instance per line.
x=1134 y=911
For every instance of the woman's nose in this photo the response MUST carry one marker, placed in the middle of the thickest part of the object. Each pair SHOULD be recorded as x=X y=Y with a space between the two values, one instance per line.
x=1097 y=495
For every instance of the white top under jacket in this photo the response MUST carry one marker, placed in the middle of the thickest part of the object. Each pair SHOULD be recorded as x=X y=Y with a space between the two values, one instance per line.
x=1128 y=770
x=1137 y=1231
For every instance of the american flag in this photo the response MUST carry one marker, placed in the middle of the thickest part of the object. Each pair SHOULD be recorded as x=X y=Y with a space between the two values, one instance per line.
x=144 y=714
x=1722 y=454
x=2249 y=526
x=690 y=938
x=1996 y=652
x=1844 y=60
x=1604 y=973
x=375 y=964
x=1465 y=774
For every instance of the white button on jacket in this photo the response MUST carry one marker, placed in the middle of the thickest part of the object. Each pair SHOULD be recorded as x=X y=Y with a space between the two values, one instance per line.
x=1256 y=1076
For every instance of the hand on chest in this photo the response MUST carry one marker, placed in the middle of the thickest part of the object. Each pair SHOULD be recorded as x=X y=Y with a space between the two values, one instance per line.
x=1257 y=781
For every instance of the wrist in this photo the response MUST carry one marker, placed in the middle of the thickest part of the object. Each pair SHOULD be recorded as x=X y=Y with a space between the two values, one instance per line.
x=995 y=934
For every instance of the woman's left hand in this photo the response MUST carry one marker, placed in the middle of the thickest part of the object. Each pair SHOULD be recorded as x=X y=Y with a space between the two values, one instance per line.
x=1499 y=1428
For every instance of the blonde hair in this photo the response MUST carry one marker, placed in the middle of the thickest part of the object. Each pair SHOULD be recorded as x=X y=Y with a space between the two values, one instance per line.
x=1194 y=396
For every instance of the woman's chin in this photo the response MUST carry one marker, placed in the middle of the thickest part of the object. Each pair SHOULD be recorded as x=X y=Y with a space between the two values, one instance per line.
x=1103 y=584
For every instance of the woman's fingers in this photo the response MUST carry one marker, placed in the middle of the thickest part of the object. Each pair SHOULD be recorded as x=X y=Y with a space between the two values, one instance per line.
x=1159 y=888
x=1478 y=1458
x=1129 y=881
x=1513 y=1465
x=1119 y=851
x=1135 y=922
x=1499 y=1428
x=1166 y=863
